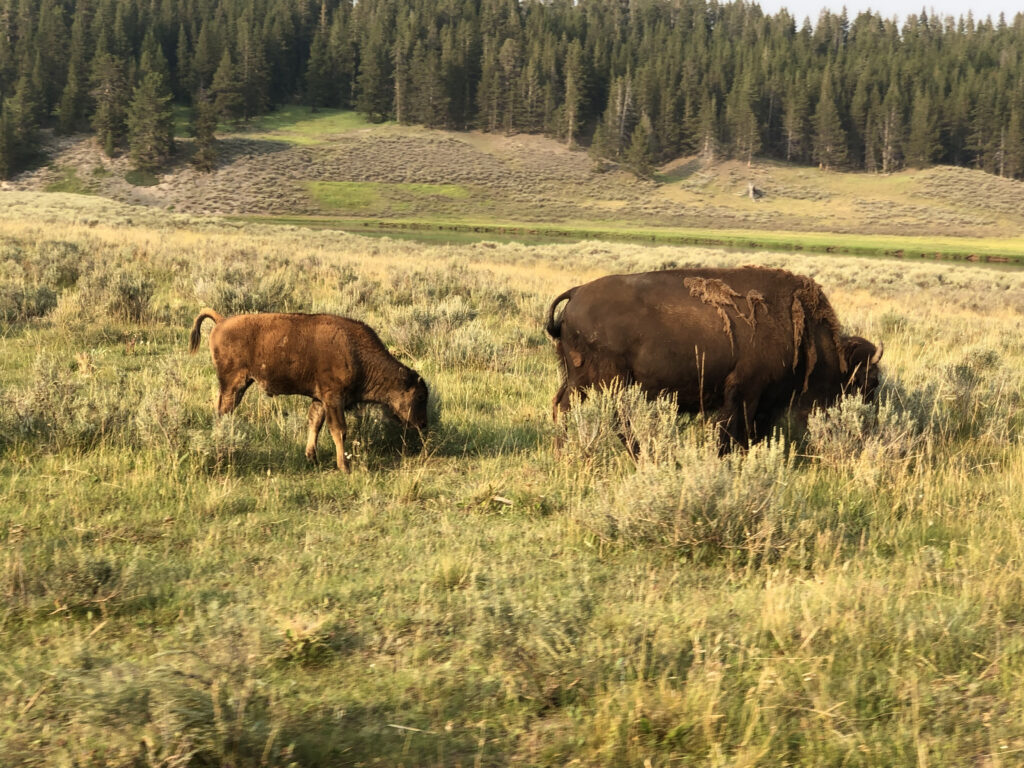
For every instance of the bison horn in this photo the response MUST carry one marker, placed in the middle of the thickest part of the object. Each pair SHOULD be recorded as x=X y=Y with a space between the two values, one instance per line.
x=875 y=358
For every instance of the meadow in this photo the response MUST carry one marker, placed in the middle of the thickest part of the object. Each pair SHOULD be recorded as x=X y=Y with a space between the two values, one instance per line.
x=182 y=591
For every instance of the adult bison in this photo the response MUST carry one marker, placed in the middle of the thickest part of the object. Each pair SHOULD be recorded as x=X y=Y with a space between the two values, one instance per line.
x=746 y=342
x=334 y=360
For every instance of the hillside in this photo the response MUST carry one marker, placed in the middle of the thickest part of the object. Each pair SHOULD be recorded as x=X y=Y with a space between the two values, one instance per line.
x=334 y=164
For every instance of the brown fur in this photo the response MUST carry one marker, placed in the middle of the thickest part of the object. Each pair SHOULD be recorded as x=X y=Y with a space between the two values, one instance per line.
x=674 y=331
x=717 y=294
x=336 y=361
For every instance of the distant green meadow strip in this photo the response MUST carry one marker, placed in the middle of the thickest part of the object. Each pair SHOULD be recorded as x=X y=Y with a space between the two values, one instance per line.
x=988 y=250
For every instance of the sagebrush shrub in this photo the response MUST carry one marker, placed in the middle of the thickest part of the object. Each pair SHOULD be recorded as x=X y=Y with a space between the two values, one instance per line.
x=701 y=505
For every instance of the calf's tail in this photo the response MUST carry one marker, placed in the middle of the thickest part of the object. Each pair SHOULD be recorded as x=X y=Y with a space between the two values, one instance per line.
x=206 y=312
x=553 y=327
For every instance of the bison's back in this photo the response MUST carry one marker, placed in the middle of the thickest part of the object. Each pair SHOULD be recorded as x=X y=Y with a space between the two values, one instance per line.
x=291 y=353
x=683 y=329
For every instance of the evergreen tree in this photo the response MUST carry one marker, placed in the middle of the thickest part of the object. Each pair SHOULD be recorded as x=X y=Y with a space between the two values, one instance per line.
x=794 y=124
x=707 y=129
x=429 y=98
x=923 y=144
x=575 y=88
x=184 y=80
x=375 y=92
x=71 y=110
x=226 y=90
x=204 y=126
x=829 y=136
x=489 y=89
x=151 y=123
x=510 y=66
x=19 y=142
x=8 y=150
x=110 y=93
x=251 y=69
x=743 y=125
x=1015 y=139
x=891 y=129
x=639 y=156
x=319 y=78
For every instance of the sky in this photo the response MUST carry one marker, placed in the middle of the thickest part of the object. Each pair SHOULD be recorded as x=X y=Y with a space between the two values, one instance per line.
x=798 y=9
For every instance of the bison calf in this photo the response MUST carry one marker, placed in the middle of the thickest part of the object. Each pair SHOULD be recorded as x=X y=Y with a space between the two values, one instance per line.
x=334 y=360
x=747 y=342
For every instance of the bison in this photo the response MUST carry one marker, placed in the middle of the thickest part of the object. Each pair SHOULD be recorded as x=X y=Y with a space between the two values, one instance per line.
x=746 y=342
x=337 y=361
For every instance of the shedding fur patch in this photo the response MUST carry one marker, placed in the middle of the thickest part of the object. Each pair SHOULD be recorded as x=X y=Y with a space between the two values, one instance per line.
x=809 y=302
x=719 y=295
x=755 y=299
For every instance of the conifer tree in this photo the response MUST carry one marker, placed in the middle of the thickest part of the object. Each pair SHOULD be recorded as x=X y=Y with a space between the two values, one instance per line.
x=510 y=66
x=251 y=69
x=429 y=98
x=707 y=129
x=151 y=123
x=923 y=137
x=575 y=88
x=639 y=156
x=319 y=80
x=8 y=151
x=891 y=129
x=226 y=90
x=376 y=95
x=184 y=80
x=110 y=93
x=204 y=126
x=829 y=136
x=71 y=110
x=746 y=136
x=794 y=123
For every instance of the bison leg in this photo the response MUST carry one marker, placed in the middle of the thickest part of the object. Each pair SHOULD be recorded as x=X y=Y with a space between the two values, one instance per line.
x=737 y=418
x=315 y=421
x=231 y=391
x=560 y=403
x=336 y=424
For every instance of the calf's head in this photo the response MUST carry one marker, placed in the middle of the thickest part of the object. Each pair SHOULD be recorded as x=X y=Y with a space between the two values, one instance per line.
x=862 y=358
x=409 y=401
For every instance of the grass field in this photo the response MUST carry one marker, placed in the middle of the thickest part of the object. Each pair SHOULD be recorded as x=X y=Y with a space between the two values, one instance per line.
x=183 y=592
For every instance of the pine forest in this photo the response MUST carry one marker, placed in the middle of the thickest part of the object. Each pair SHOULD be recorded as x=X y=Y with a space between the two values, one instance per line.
x=637 y=82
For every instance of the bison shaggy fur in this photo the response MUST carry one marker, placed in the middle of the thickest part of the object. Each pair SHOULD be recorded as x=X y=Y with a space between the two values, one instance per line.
x=746 y=342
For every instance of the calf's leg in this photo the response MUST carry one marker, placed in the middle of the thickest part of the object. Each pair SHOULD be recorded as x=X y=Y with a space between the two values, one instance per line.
x=335 y=410
x=315 y=421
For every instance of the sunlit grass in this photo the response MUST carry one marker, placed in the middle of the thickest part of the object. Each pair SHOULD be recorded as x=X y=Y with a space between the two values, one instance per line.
x=179 y=590
x=301 y=125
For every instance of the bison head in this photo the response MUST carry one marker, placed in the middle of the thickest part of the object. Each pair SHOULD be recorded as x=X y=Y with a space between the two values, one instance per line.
x=410 y=402
x=862 y=358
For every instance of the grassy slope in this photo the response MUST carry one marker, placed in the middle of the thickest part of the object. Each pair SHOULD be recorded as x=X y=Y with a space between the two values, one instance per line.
x=176 y=590
x=335 y=169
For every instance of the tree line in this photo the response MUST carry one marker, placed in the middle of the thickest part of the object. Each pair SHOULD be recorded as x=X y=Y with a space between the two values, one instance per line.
x=639 y=81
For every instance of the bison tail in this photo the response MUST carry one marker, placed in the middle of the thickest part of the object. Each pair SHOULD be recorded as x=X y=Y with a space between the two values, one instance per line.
x=553 y=327
x=193 y=339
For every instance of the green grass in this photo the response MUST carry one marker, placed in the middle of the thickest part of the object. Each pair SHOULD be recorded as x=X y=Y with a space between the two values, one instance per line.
x=177 y=590
x=366 y=195
x=301 y=125
x=139 y=178
x=361 y=196
x=69 y=181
